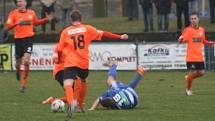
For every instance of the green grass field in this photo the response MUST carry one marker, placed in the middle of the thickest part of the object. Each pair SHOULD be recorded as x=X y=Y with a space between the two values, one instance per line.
x=161 y=98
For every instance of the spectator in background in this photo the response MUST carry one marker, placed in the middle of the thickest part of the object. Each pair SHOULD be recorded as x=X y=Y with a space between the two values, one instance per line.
x=3 y=32
x=212 y=10
x=193 y=6
x=132 y=9
x=182 y=8
x=66 y=6
x=147 y=14
x=48 y=8
x=163 y=10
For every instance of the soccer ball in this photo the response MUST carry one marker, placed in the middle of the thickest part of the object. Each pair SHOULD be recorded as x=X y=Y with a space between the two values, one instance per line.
x=58 y=106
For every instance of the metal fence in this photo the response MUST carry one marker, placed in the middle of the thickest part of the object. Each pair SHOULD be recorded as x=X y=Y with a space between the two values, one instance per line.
x=209 y=58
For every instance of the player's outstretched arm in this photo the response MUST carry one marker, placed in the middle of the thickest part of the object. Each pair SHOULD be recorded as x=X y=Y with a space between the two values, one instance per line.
x=94 y=105
x=114 y=36
x=57 y=55
x=124 y=37
x=37 y=21
x=208 y=43
x=181 y=40
x=10 y=25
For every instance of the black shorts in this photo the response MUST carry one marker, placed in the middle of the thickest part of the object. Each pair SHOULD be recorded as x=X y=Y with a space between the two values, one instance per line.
x=73 y=72
x=59 y=77
x=23 y=45
x=195 y=65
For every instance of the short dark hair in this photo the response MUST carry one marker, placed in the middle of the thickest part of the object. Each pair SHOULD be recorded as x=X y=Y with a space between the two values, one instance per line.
x=107 y=102
x=194 y=13
x=76 y=15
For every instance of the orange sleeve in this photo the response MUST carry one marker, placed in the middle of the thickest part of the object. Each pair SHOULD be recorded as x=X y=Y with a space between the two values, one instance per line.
x=206 y=42
x=61 y=43
x=56 y=49
x=203 y=36
x=110 y=35
x=10 y=21
x=94 y=33
x=38 y=21
x=184 y=36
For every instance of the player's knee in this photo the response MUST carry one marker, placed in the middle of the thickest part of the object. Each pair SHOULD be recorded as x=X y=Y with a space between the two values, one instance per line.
x=18 y=62
x=83 y=80
x=110 y=82
x=201 y=73
x=112 y=73
x=68 y=82
x=26 y=62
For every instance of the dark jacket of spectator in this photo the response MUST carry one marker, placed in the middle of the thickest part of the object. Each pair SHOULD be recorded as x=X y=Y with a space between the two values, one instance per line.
x=146 y=3
x=163 y=6
x=66 y=4
x=48 y=5
x=3 y=33
x=182 y=7
x=181 y=3
x=48 y=8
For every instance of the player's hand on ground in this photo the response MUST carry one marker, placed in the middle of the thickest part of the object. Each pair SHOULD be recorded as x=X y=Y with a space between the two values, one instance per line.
x=124 y=36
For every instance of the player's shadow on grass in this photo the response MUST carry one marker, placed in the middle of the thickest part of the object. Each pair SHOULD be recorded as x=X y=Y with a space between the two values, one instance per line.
x=105 y=110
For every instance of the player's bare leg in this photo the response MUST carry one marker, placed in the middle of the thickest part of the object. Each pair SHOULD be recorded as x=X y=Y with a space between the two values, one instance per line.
x=68 y=83
x=140 y=72
x=77 y=90
x=18 y=70
x=189 y=79
x=26 y=62
x=49 y=100
x=112 y=72
x=82 y=96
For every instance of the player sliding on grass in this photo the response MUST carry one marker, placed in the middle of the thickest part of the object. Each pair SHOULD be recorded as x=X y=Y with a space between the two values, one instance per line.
x=119 y=96
x=75 y=41
x=23 y=21
x=194 y=36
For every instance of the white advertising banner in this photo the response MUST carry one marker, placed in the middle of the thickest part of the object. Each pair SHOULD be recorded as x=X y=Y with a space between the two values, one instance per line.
x=162 y=56
x=214 y=50
x=151 y=56
x=124 y=53
x=41 y=58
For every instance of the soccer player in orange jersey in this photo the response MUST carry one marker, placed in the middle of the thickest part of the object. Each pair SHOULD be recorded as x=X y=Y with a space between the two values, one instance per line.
x=75 y=41
x=58 y=73
x=194 y=36
x=23 y=20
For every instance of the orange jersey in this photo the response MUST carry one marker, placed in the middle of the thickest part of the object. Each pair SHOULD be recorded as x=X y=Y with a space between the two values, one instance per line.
x=58 y=66
x=23 y=23
x=75 y=41
x=194 y=39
